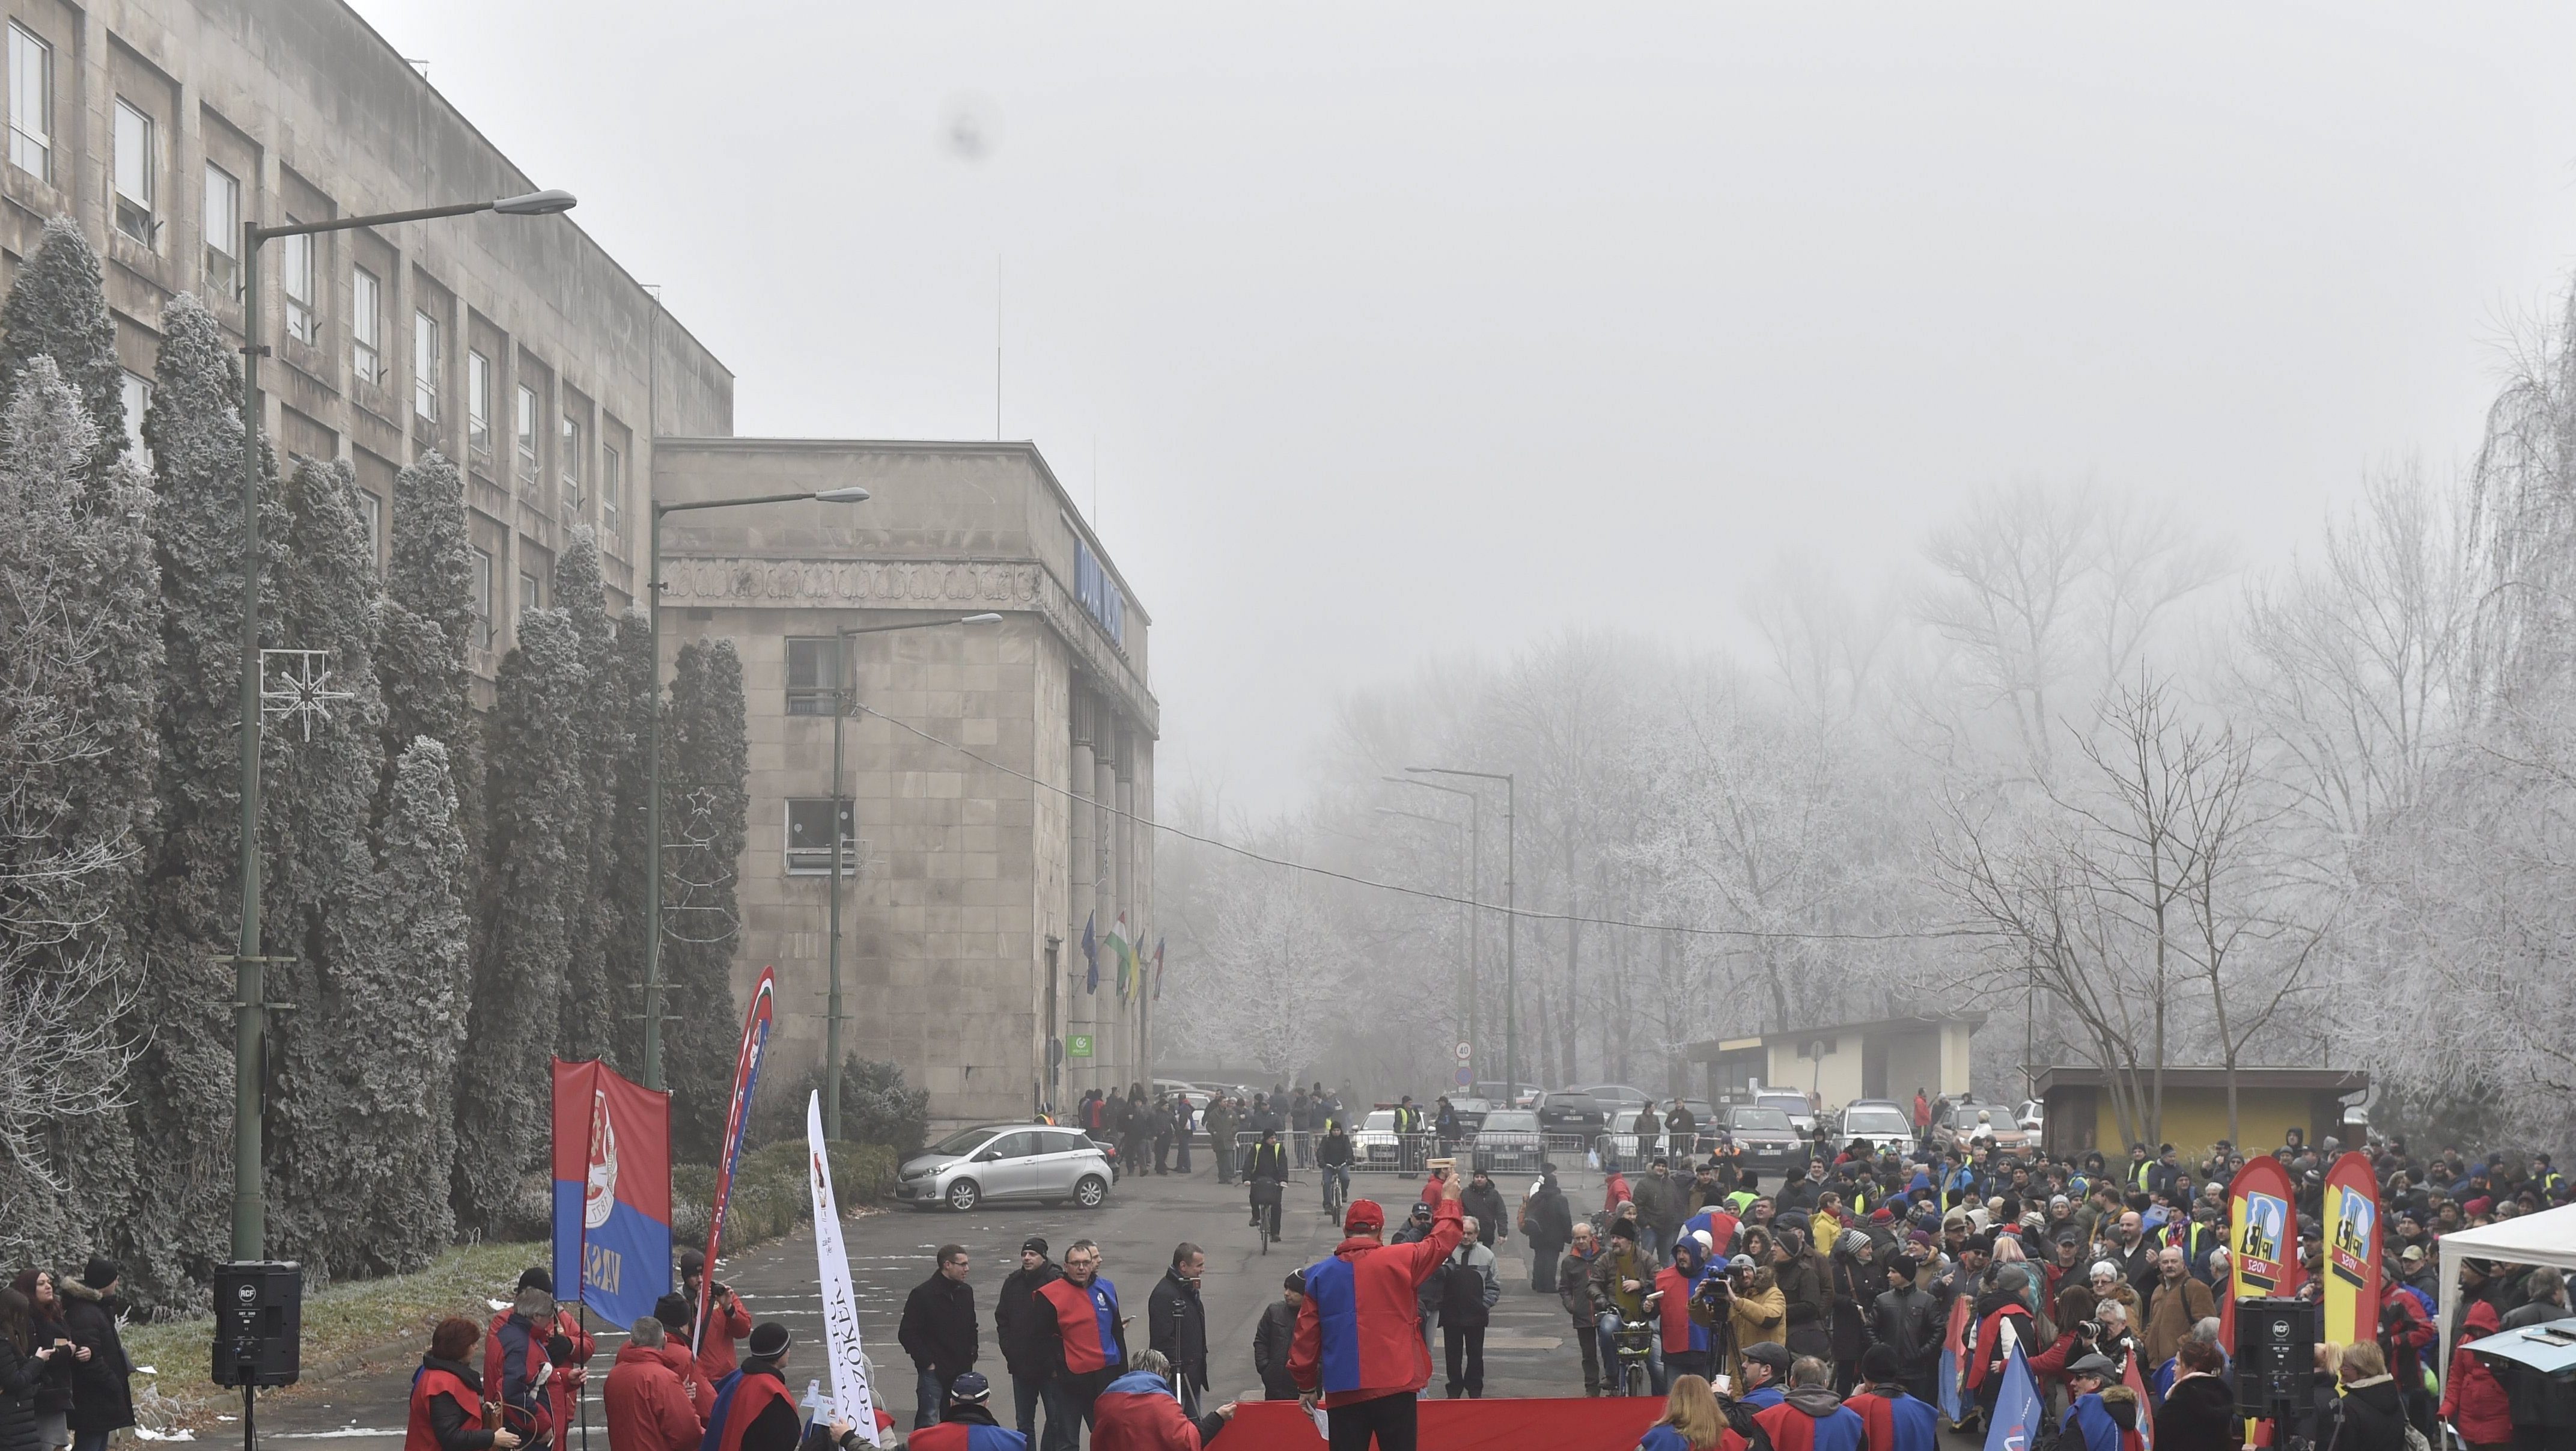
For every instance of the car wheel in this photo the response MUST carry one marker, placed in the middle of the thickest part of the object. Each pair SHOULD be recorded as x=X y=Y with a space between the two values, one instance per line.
x=1090 y=1192
x=963 y=1195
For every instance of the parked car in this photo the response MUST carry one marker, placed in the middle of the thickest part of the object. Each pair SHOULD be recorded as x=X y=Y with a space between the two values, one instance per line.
x=1802 y=1114
x=2033 y=1118
x=1510 y=1139
x=1471 y=1113
x=1769 y=1143
x=1876 y=1123
x=1373 y=1143
x=1571 y=1111
x=1518 y=1095
x=1958 y=1123
x=1006 y=1162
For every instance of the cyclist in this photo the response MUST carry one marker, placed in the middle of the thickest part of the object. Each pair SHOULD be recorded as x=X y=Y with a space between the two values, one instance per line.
x=1333 y=1156
x=1265 y=1168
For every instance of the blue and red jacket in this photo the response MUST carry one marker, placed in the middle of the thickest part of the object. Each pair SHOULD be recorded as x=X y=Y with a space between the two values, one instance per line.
x=970 y=1436
x=739 y=1402
x=1895 y=1421
x=1813 y=1420
x=1086 y=1324
x=1681 y=1332
x=1359 y=1332
x=1138 y=1412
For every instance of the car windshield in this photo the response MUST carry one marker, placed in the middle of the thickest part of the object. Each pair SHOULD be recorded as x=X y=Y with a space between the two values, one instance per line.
x=1760 y=1120
x=1874 y=1121
x=1382 y=1120
x=1785 y=1102
x=1511 y=1121
x=964 y=1141
x=1471 y=1105
x=1964 y=1116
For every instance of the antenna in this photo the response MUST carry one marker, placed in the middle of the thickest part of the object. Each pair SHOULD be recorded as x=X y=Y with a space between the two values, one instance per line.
x=997 y=347
x=1095 y=480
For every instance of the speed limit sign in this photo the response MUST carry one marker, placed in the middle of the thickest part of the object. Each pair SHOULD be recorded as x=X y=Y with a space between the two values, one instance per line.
x=1464 y=1052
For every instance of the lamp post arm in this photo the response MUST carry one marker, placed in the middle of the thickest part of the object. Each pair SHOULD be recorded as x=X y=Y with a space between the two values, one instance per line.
x=379 y=219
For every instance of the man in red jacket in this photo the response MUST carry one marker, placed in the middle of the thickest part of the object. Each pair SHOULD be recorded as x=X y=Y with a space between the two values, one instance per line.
x=1358 y=1349
x=727 y=1320
x=647 y=1410
x=700 y=1387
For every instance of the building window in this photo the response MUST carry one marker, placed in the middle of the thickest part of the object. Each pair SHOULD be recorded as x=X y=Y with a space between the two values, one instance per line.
x=424 y=367
x=135 y=163
x=571 y=462
x=31 y=104
x=483 y=598
x=527 y=431
x=809 y=836
x=813 y=674
x=367 y=326
x=529 y=596
x=137 y=392
x=295 y=279
x=372 y=509
x=612 y=490
x=478 y=400
x=223 y=233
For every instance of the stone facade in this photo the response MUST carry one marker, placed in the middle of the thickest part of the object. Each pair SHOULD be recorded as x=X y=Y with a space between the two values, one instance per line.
x=981 y=849
x=272 y=110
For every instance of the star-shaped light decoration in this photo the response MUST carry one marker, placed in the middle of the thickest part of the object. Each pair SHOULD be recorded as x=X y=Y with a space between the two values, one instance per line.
x=296 y=685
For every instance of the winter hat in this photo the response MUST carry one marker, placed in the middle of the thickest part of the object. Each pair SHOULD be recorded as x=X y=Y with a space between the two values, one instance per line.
x=1878 y=1364
x=1364 y=1214
x=1882 y=1215
x=1033 y=1243
x=970 y=1385
x=1295 y=1284
x=769 y=1339
x=100 y=1272
x=537 y=1278
x=672 y=1311
x=692 y=1261
x=1906 y=1265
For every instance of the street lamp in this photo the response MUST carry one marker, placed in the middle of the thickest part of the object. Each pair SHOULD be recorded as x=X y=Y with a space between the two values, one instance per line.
x=848 y=494
x=250 y=967
x=844 y=699
x=1511 y=916
x=1475 y=894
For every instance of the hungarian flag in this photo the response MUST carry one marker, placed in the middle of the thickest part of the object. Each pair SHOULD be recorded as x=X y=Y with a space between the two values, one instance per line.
x=1954 y=1354
x=2146 y=1403
x=1158 y=969
x=1091 y=955
x=1123 y=955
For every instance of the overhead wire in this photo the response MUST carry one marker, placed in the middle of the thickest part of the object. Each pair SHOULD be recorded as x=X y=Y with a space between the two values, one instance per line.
x=1757 y=934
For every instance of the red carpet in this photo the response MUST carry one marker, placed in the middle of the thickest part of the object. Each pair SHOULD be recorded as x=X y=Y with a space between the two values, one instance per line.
x=1612 y=1424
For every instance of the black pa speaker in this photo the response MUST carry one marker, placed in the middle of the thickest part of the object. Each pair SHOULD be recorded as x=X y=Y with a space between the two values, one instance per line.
x=2276 y=1354
x=259 y=1319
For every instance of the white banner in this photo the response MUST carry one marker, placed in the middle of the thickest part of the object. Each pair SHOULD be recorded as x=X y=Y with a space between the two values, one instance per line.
x=851 y=1400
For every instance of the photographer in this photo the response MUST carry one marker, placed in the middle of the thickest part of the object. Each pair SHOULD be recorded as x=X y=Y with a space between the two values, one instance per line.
x=726 y=1319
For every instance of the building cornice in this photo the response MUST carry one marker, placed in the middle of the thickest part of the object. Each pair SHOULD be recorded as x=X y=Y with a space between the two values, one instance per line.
x=711 y=581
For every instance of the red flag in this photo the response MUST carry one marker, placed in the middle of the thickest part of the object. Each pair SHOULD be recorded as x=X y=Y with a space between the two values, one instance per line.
x=746 y=1074
x=612 y=1191
x=2146 y=1405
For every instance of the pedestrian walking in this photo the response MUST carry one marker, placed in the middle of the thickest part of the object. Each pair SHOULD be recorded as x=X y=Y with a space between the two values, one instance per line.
x=938 y=1332
x=1301 y=1125
x=1483 y=1203
x=1469 y=1289
x=1547 y=1225
x=1016 y=1313
x=1176 y=1324
x=102 y=1397
x=646 y=1406
x=1574 y=1294
x=447 y=1404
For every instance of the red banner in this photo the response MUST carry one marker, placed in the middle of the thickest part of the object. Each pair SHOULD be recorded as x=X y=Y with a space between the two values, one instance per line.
x=1611 y=1424
x=2353 y=1241
x=746 y=1075
x=2262 y=1240
x=612 y=1191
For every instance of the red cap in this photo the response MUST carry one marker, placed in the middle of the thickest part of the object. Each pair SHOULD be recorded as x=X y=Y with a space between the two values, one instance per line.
x=1362 y=1215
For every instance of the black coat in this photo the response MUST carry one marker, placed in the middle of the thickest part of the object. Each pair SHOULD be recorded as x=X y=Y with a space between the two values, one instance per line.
x=1485 y=1206
x=1176 y=1324
x=21 y=1375
x=2373 y=1420
x=54 y=1393
x=1803 y=1289
x=1016 y=1313
x=2199 y=1414
x=101 y=1399
x=1271 y=1341
x=1551 y=1219
x=938 y=1328
x=1909 y=1321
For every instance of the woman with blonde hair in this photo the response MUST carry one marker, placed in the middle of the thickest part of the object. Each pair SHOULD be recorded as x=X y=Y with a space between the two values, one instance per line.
x=1691 y=1421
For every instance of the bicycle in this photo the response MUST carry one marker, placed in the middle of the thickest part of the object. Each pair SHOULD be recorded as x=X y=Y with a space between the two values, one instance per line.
x=1266 y=1196
x=1636 y=1343
x=1337 y=1190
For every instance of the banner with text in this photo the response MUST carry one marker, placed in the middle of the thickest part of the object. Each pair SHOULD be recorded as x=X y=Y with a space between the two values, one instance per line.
x=852 y=1400
x=2262 y=1240
x=2353 y=1244
x=612 y=1195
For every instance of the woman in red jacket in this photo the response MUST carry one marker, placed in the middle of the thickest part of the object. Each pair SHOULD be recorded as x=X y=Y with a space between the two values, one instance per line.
x=447 y=1396
x=2472 y=1398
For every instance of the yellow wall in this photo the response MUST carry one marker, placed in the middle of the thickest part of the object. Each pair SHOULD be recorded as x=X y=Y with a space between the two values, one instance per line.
x=1838 y=1075
x=2196 y=1118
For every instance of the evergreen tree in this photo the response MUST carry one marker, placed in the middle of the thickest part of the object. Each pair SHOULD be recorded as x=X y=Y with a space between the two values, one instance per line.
x=594 y=742
x=422 y=663
x=57 y=309
x=176 y=1229
x=621 y=892
x=326 y=1166
x=706 y=809
x=79 y=606
x=537 y=812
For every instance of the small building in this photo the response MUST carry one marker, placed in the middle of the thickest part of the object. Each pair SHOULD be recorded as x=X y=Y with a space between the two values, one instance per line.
x=2269 y=1103
x=1889 y=1058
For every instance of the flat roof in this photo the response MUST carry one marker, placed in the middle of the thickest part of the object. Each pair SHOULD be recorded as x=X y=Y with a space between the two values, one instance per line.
x=2197 y=1076
x=1708 y=1048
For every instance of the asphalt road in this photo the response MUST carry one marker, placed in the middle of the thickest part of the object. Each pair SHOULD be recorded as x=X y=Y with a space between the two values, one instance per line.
x=1529 y=1351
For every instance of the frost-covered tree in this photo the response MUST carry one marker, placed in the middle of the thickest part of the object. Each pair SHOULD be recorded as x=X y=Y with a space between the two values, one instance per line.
x=594 y=737
x=422 y=663
x=57 y=309
x=324 y=875
x=537 y=811
x=78 y=610
x=194 y=429
x=706 y=811
x=621 y=886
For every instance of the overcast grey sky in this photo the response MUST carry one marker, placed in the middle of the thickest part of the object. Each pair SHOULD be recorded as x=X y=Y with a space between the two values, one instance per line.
x=1407 y=329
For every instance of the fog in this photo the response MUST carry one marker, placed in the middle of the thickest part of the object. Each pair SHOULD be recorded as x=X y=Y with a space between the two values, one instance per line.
x=1645 y=404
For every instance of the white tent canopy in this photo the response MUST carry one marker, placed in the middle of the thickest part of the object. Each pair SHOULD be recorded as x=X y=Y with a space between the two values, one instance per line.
x=2546 y=1238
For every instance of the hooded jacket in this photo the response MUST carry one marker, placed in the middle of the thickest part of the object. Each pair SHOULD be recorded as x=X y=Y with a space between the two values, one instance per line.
x=647 y=1409
x=2472 y=1398
x=514 y=1350
x=101 y=1399
x=695 y=1383
x=2098 y=1423
x=1811 y=1418
x=1140 y=1412
x=1359 y=1333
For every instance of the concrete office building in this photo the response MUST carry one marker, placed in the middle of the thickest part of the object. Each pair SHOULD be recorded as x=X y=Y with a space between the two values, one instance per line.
x=1000 y=807
x=521 y=349
x=515 y=346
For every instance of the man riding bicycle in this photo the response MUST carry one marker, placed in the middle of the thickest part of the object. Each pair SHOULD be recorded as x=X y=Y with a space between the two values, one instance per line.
x=1333 y=1156
x=1265 y=1168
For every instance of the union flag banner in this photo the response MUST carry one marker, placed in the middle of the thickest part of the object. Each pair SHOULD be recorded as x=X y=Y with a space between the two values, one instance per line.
x=2353 y=1240
x=612 y=1191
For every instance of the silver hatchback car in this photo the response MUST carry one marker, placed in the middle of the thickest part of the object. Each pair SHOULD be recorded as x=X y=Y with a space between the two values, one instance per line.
x=1009 y=1162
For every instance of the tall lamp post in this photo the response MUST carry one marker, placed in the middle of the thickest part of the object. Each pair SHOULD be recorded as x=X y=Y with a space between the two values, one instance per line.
x=1475 y=894
x=653 y=753
x=845 y=698
x=250 y=967
x=1511 y=916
